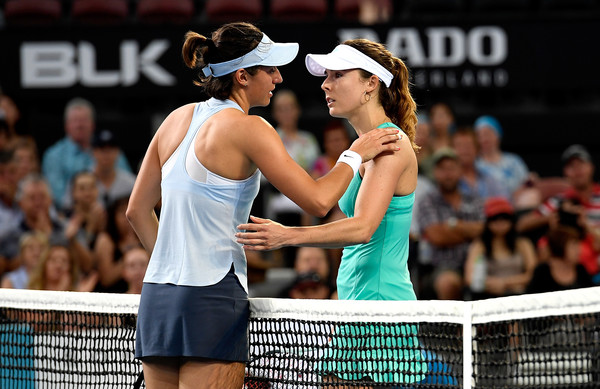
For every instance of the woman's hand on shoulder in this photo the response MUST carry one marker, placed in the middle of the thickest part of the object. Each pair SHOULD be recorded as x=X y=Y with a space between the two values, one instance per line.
x=376 y=141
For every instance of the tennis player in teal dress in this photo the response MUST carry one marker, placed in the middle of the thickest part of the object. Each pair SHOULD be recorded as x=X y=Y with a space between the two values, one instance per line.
x=368 y=86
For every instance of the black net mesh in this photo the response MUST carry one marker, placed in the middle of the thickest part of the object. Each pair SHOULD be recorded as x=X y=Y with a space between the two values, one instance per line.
x=66 y=349
x=508 y=343
x=542 y=352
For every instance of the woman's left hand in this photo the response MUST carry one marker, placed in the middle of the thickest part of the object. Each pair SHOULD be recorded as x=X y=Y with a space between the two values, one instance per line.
x=262 y=234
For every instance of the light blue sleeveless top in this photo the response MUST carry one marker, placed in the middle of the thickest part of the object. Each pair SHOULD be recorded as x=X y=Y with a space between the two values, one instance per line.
x=378 y=270
x=196 y=243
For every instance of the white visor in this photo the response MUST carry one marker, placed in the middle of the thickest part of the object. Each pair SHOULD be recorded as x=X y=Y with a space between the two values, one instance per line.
x=267 y=53
x=345 y=57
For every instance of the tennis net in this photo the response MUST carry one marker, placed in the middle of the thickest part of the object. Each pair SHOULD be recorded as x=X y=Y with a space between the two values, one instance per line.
x=552 y=340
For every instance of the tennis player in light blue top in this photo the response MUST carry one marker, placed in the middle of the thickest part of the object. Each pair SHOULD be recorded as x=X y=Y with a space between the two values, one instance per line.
x=193 y=315
x=368 y=86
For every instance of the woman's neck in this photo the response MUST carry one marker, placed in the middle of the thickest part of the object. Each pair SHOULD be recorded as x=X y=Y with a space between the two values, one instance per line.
x=367 y=118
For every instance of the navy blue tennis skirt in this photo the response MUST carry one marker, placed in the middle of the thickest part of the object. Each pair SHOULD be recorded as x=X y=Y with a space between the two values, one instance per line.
x=194 y=321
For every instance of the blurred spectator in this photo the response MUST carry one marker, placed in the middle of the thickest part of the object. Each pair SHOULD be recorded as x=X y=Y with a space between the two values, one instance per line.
x=508 y=167
x=11 y=115
x=114 y=182
x=419 y=252
x=448 y=221
x=10 y=213
x=373 y=12
x=475 y=180
x=26 y=157
x=499 y=262
x=423 y=140
x=73 y=153
x=110 y=247
x=58 y=271
x=443 y=124
x=86 y=218
x=135 y=263
x=309 y=286
x=313 y=275
x=563 y=270
x=336 y=139
x=35 y=201
x=301 y=145
x=6 y=140
x=583 y=194
x=32 y=247
x=572 y=214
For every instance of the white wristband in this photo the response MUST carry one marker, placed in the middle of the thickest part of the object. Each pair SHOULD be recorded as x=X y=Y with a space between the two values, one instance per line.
x=352 y=159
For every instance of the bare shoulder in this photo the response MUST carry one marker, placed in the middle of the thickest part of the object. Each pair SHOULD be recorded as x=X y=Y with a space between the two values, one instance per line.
x=176 y=118
x=185 y=112
x=403 y=158
x=524 y=243
x=248 y=127
x=477 y=246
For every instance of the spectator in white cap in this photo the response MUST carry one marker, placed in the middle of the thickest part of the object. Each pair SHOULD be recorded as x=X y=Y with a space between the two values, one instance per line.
x=508 y=167
x=204 y=165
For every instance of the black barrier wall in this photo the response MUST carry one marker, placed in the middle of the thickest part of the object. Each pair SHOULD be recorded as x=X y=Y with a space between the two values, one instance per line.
x=538 y=76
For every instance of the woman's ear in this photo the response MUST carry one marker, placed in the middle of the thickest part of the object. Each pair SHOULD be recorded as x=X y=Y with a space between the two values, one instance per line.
x=241 y=77
x=372 y=83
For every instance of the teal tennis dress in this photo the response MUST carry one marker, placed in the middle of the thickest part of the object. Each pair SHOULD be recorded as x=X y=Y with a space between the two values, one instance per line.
x=376 y=270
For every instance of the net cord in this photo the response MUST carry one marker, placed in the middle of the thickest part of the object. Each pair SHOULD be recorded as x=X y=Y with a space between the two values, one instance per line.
x=578 y=301
x=359 y=311
x=69 y=301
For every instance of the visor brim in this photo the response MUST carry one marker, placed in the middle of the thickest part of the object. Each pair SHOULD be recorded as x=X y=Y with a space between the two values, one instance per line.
x=281 y=54
x=318 y=63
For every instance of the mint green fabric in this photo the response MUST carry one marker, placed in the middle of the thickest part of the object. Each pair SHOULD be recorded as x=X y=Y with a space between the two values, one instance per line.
x=381 y=353
x=376 y=270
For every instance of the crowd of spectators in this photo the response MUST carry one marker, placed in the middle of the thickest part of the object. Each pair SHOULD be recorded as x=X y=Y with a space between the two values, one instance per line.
x=484 y=224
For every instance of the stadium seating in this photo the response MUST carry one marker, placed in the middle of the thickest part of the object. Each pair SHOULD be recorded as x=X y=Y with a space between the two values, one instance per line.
x=298 y=10
x=32 y=11
x=100 y=11
x=438 y=7
x=500 y=5
x=233 y=10
x=165 y=11
x=351 y=9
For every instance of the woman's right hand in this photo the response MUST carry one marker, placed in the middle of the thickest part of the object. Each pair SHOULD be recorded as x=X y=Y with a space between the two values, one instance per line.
x=261 y=234
x=374 y=142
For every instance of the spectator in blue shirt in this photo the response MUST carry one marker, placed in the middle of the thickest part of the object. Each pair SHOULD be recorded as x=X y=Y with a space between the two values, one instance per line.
x=510 y=168
x=73 y=153
x=475 y=179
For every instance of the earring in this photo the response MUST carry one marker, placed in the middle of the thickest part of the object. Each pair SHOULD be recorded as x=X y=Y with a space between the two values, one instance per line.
x=367 y=97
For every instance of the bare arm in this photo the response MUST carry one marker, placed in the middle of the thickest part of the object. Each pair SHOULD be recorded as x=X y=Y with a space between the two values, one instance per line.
x=475 y=250
x=381 y=177
x=443 y=235
x=315 y=197
x=532 y=221
x=109 y=271
x=145 y=196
